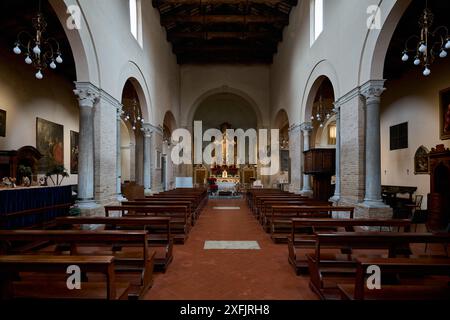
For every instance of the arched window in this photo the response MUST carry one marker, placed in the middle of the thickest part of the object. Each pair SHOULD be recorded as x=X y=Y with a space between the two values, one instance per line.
x=136 y=20
x=316 y=19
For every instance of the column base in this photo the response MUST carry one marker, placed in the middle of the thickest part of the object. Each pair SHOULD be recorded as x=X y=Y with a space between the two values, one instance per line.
x=336 y=198
x=373 y=210
x=121 y=198
x=376 y=204
x=307 y=193
x=89 y=208
x=148 y=192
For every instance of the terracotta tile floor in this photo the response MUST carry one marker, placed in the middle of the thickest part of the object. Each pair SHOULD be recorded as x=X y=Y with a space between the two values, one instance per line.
x=198 y=274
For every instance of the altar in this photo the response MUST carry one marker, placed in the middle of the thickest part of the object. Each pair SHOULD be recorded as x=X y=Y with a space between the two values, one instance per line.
x=227 y=184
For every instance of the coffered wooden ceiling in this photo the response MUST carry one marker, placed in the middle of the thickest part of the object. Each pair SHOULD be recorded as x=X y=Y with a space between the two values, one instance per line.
x=224 y=31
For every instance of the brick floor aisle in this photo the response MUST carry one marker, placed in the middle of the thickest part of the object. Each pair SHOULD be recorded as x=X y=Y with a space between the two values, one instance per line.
x=198 y=274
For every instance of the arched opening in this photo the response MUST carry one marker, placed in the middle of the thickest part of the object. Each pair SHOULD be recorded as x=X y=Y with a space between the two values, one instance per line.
x=413 y=107
x=131 y=144
x=320 y=140
x=43 y=114
x=224 y=111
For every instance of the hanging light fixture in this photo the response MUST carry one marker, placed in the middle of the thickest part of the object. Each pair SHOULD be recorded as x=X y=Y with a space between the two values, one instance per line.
x=430 y=44
x=133 y=114
x=39 y=51
x=323 y=113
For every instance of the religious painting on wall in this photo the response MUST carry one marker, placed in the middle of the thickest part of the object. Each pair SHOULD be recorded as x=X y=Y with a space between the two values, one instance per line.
x=50 y=143
x=445 y=114
x=74 y=150
x=2 y=123
x=421 y=161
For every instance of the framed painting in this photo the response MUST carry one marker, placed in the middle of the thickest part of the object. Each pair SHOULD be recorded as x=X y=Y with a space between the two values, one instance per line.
x=421 y=161
x=444 y=114
x=74 y=150
x=2 y=123
x=50 y=143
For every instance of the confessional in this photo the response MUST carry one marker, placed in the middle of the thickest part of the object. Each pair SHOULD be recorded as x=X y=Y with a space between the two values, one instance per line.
x=321 y=165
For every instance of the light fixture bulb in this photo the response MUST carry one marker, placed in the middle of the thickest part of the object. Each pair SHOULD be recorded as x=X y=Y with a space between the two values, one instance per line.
x=312 y=117
x=39 y=75
x=142 y=120
x=405 y=57
x=447 y=45
x=134 y=128
x=37 y=50
x=443 y=54
x=17 y=50
x=417 y=61
x=59 y=59
x=321 y=125
x=422 y=48
x=28 y=60
x=426 y=72
x=53 y=65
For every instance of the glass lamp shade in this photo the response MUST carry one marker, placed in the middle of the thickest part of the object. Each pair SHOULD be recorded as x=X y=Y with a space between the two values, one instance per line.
x=17 y=50
x=37 y=50
x=28 y=60
x=422 y=48
x=405 y=57
x=417 y=61
x=39 y=75
x=443 y=54
x=447 y=45
x=53 y=65
x=426 y=72
x=59 y=59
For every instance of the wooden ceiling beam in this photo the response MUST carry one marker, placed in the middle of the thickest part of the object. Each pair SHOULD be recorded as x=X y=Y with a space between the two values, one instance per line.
x=225 y=50
x=226 y=19
x=177 y=36
x=157 y=3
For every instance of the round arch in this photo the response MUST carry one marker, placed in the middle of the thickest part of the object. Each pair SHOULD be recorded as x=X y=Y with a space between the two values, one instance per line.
x=377 y=42
x=322 y=71
x=131 y=72
x=169 y=121
x=81 y=43
x=281 y=119
x=206 y=95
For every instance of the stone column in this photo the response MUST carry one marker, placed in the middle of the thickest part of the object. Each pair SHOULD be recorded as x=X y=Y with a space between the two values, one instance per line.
x=295 y=155
x=147 y=130
x=306 y=129
x=372 y=91
x=337 y=192
x=88 y=96
x=119 y=154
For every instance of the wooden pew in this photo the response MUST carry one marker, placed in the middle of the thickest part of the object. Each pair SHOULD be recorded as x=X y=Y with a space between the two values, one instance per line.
x=12 y=286
x=161 y=241
x=80 y=242
x=251 y=193
x=303 y=234
x=180 y=223
x=328 y=270
x=402 y=290
x=280 y=218
x=193 y=213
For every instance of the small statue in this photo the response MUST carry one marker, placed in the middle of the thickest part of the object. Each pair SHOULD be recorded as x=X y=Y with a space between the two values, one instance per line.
x=26 y=182
x=43 y=182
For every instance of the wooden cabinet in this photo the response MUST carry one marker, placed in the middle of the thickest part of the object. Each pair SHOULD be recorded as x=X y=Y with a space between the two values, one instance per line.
x=439 y=197
x=321 y=164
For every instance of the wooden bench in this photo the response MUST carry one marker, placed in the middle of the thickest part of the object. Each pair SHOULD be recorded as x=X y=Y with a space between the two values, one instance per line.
x=13 y=286
x=303 y=234
x=136 y=262
x=280 y=218
x=327 y=270
x=162 y=241
x=193 y=213
x=180 y=223
x=402 y=290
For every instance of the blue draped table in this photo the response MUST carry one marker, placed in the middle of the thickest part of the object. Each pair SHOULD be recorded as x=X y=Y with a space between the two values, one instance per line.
x=26 y=207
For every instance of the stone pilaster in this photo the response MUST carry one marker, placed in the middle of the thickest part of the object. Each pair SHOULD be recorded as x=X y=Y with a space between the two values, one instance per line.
x=296 y=158
x=306 y=128
x=119 y=154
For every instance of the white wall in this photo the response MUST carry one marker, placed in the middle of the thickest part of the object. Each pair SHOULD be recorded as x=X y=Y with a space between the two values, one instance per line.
x=413 y=99
x=24 y=98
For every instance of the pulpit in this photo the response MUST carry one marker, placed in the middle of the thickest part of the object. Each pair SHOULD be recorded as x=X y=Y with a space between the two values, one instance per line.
x=439 y=197
x=321 y=164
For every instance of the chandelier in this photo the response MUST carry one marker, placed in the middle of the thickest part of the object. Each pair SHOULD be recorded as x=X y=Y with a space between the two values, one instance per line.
x=39 y=51
x=323 y=113
x=133 y=114
x=429 y=44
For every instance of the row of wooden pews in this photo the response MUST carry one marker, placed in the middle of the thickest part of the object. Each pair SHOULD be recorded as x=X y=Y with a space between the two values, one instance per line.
x=117 y=254
x=338 y=252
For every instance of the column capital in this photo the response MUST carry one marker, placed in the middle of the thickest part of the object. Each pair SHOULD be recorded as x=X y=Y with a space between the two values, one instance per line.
x=306 y=127
x=120 y=111
x=295 y=128
x=147 y=129
x=373 y=89
x=88 y=94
